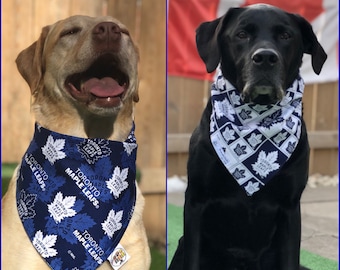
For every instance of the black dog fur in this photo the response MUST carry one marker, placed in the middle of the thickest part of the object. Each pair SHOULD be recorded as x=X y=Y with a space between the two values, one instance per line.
x=223 y=227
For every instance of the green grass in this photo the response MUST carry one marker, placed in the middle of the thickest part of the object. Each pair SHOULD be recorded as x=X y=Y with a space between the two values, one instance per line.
x=157 y=256
x=6 y=175
x=157 y=259
x=316 y=262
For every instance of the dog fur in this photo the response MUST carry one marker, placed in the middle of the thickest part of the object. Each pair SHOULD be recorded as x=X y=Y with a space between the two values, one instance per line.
x=53 y=67
x=259 y=49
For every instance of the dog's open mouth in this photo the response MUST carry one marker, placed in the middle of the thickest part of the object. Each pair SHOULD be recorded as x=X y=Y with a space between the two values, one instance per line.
x=103 y=83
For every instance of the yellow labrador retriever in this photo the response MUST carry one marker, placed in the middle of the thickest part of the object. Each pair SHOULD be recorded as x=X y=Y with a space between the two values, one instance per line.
x=73 y=198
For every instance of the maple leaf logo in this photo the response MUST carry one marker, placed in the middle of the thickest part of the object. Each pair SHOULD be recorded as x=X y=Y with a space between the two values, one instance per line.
x=280 y=137
x=116 y=184
x=266 y=163
x=223 y=109
x=240 y=150
x=228 y=134
x=238 y=174
x=260 y=108
x=244 y=114
x=93 y=150
x=25 y=205
x=235 y=98
x=129 y=147
x=60 y=208
x=52 y=149
x=290 y=123
x=255 y=139
x=112 y=223
x=290 y=148
x=271 y=120
x=251 y=188
x=44 y=244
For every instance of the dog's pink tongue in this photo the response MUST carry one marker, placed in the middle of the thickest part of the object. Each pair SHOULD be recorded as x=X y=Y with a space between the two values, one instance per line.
x=105 y=87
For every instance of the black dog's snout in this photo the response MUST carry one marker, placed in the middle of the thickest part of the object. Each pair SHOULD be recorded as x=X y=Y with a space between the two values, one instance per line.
x=265 y=57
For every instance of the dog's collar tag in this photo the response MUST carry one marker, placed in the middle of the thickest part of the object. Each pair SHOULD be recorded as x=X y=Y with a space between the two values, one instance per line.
x=75 y=196
x=119 y=257
x=254 y=141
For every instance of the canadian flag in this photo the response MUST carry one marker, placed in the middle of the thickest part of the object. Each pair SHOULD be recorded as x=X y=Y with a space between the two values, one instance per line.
x=184 y=16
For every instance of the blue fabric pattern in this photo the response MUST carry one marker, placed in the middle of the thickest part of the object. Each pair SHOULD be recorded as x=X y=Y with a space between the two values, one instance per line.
x=76 y=196
x=254 y=141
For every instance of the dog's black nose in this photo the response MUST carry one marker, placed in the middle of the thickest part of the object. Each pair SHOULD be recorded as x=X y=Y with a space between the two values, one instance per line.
x=265 y=57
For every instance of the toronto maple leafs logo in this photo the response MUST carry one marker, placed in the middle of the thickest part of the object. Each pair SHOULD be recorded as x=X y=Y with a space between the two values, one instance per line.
x=228 y=134
x=296 y=102
x=245 y=114
x=238 y=174
x=272 y=119
x=60 y=208
x=224 y=109
x=25 y=205
x=280 y=137
x=290 y=123
x=251 y=187
x=112 y=223
x=290 y=148
x=266 y=163
x=240 y=149
x=235 y=98
x=255 y=139
x=93 y=150
x=117 y=183
x=129 y=147
x=52 y=150
x=44 y=244
x=261 y=108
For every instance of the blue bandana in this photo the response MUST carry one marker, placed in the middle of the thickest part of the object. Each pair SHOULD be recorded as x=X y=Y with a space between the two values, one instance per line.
x=75 y=196
x=254 y=141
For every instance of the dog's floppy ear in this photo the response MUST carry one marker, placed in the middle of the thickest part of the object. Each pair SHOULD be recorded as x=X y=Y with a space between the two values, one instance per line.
x=207 y=37
x=135 y=96
x=310 y=44
x=30 y=63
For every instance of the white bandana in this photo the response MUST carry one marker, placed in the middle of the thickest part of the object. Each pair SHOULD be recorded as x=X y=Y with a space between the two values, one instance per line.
x=254 y=141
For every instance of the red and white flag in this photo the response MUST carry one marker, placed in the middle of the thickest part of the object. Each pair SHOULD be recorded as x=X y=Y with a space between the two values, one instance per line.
x=184 y=16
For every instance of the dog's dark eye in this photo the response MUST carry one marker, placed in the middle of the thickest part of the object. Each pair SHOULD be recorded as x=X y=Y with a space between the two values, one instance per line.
x=242 y=35
x=70 y=32
x=285 y=36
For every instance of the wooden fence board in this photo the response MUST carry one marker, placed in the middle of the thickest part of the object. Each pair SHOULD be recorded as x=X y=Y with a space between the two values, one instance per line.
x=151 y=110
x=185 y=103
x=128 y=12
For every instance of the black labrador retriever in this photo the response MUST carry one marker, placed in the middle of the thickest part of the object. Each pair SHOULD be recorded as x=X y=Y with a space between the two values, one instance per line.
x=230 y=225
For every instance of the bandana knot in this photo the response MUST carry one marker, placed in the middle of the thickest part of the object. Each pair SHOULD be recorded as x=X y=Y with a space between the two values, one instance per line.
x=254 y=141
x=76 y=196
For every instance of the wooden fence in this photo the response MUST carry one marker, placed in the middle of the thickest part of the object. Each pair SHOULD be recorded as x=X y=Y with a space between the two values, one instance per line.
x=187 y=99
x=21 y=26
